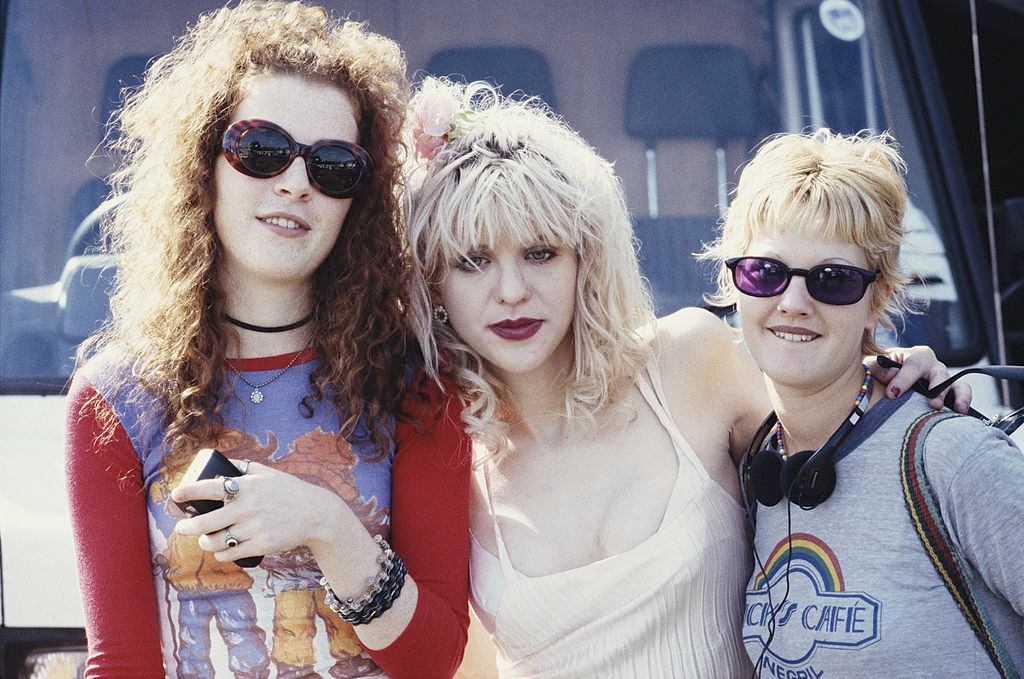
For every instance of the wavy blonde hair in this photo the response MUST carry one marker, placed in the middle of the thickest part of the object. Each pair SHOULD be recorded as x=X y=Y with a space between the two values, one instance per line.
x=166 y=329
x=515 y=170
x=828 y=186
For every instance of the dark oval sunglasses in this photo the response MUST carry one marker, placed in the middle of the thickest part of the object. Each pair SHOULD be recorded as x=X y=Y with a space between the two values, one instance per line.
x=259 y=148
x=829 y=283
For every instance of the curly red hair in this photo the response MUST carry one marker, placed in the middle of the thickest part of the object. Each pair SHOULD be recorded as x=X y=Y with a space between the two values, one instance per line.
x=166 y=326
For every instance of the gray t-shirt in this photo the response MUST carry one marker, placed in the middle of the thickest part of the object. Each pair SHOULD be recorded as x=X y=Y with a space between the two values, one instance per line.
x=864 y=599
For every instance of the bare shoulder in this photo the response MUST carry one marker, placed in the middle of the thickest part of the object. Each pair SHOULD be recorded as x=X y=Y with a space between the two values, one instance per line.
x=707 y=371
x=693 y=344
x=692 y=324
x=697 y=356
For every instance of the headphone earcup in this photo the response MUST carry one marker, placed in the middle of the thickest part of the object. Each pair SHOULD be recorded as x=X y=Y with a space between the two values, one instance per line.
x=805 y=486
x=764 y=477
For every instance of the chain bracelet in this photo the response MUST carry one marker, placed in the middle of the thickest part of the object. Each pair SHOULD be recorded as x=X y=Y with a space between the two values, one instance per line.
x=382 y=589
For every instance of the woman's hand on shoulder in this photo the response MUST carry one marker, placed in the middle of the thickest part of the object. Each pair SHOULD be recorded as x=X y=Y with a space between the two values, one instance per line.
x=919 y=363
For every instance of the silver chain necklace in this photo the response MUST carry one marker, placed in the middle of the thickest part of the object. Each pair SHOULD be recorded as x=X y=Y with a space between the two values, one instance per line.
x=257 y=394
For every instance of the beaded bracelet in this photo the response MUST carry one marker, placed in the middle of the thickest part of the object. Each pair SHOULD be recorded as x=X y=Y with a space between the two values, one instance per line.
x=382 y=590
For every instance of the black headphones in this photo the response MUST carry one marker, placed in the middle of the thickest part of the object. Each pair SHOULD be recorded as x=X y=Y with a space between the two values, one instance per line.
x=806 y=478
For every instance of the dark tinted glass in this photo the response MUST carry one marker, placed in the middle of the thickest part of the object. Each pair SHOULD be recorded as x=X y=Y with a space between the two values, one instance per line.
x=263 y=150
x=828 y=283
x=761 y=277
x=334 y=168
x=839 y=283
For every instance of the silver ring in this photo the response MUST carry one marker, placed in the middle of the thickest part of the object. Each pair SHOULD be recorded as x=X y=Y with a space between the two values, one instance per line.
x=244 y=466
x=231 y=489
x=230 y=540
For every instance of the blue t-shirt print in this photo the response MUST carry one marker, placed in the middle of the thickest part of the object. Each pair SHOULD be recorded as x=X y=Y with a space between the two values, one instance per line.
x=815 y=611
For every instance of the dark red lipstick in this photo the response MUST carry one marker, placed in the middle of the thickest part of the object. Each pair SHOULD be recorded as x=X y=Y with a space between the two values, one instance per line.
x=516 y=329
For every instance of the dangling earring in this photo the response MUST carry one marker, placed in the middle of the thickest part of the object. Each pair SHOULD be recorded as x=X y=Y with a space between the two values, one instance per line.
x=441 y=314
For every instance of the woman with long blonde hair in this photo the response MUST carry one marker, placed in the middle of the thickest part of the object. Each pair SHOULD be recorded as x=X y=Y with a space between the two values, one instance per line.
x=260 y=311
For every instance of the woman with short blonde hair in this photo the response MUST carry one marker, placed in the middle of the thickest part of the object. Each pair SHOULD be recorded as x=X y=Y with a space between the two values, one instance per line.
x=833 y=186
x=853 y=583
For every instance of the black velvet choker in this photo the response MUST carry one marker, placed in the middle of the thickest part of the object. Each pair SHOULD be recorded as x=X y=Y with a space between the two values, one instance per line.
x=268 y=328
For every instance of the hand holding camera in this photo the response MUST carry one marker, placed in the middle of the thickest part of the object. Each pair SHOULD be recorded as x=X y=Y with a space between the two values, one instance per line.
x=211 y=464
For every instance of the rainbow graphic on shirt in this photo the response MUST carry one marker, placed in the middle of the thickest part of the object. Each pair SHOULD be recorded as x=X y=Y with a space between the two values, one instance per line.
x=801 y=593
x=811 y=551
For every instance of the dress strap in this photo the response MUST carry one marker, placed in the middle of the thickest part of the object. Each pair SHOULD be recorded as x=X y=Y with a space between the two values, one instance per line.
x=649 y=383
x=507 y=569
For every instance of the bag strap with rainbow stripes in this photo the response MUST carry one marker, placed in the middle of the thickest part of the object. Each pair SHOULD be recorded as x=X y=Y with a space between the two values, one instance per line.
x=927 y=519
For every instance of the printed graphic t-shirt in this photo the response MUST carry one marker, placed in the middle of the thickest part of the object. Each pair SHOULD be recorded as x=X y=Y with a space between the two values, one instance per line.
x=859 y=596
x=217 y=619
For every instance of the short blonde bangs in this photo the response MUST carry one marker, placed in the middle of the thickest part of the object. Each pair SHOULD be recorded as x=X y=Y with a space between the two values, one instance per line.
x=828 y=186
x=490 y=203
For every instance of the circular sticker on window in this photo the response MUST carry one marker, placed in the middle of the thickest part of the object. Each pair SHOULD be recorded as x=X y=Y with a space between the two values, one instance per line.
x=842 y=19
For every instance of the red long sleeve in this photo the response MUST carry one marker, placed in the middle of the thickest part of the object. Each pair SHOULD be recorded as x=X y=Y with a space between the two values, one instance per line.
x=430 y=530
x=430 y=500
x=110 y=525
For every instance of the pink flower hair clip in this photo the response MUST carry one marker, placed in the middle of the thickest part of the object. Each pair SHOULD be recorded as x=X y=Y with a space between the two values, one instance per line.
x=439 y=120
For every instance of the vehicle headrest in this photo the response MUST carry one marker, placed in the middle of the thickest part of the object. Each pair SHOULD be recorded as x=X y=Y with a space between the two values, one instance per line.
x=691 y=91
x=86 y=235
x=512 y=68
x=84 y=302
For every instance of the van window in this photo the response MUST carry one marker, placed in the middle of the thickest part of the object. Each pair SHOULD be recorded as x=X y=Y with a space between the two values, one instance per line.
x=676 y=94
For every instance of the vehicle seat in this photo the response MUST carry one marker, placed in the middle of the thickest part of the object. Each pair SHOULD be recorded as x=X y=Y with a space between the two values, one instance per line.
x=124 y=73
x=685 y=92
x=84 y=302
x=513 y=69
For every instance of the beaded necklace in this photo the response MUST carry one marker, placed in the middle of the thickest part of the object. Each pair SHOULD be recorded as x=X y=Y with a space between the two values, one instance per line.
x=257 y=394
x=858 y=403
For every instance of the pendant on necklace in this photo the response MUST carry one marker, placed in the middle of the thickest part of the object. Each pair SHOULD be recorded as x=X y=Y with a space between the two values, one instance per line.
x=256 y=396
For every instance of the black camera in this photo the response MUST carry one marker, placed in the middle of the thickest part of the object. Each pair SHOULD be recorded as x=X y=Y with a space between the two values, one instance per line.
x=211 y=464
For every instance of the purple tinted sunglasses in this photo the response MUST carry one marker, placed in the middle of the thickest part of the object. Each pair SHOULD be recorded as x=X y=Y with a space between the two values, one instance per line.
x=838 y=284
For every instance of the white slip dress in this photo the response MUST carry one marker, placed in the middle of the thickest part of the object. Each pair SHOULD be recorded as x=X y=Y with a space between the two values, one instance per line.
x=669 y=607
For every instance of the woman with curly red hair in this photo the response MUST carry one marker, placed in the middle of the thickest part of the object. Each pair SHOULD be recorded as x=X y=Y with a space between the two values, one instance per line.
x=259 y=311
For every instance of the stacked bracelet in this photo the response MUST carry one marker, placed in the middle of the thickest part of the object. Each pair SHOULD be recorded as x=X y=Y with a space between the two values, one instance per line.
x=382 y=590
